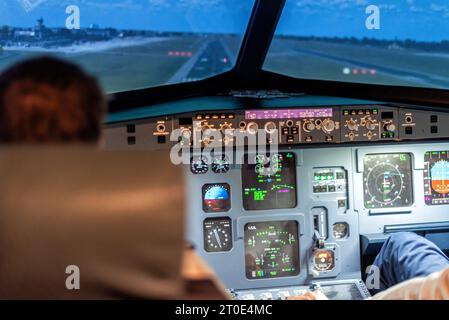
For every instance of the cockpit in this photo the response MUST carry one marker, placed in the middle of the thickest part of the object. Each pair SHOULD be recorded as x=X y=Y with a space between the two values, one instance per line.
x=304 y=134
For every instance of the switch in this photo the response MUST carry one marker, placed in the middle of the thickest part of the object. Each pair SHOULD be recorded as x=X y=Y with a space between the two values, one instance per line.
x=130 y=128
x=290 y=139
x=161 y=139
x=285 y=131
x=331 y=188
x=433 y=118
x=408 y=130
x=294 y=130
x=308 y=139
x=131 y=140
x=433 y=129
x=342 y=203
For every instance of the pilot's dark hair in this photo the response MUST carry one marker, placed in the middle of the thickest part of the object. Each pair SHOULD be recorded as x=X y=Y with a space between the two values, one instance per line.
x=49 y=100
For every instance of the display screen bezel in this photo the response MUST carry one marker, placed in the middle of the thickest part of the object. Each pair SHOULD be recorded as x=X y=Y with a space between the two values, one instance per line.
x=295 y=255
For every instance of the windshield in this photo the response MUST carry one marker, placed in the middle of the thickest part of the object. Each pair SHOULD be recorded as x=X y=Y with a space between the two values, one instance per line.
x=398 y=42
x=128 y=44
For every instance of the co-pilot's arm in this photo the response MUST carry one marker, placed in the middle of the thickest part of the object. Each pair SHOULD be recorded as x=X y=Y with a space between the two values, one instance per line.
x=433 y=287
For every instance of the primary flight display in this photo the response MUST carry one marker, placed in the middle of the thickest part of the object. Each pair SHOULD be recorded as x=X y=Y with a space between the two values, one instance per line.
x=436 y=177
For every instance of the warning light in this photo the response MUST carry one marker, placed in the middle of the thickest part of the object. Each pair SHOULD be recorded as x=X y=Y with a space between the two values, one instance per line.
x=355 y=71
x=372 y=72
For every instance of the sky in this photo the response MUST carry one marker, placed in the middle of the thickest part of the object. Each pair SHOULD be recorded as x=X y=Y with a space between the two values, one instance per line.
x=422 y=20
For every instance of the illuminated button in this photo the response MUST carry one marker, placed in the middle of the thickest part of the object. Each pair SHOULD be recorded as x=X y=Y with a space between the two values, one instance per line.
x=433 y=118
x=331 y=188
x=433 y=129
x=290 y=139
x=408 y=130
x=308 y=139
x=285 y=131
x=294 y=130
x=329 y=138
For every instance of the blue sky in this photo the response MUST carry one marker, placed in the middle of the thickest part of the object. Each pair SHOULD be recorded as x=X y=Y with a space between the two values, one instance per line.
x=413 y=19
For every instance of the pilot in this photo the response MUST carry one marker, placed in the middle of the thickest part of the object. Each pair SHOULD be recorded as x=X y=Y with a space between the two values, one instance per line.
x=51 y=101
x=46 y=100
x=410 y=268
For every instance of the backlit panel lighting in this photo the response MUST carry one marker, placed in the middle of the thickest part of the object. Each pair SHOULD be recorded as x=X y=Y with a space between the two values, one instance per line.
x=288 y=114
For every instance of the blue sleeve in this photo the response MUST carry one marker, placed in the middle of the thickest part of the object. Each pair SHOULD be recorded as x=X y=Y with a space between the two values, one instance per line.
x=406 y=255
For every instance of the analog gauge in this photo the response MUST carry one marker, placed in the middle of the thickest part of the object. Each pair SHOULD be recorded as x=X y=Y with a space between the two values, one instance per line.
x=340 y=230
x=217 y=234
x=387 y=180
x=323 y=260
x=220 y=164
x=198 y=165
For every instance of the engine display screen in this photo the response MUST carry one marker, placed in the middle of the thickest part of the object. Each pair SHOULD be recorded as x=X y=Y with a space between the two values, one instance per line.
x=270 y=182
x=271 y=249
x=387 y=180
x=436 y=177
x=216 y=197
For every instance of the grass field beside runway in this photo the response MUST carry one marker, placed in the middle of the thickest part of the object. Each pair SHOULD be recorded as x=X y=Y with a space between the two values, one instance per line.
x=126 y=68
x=325 y=60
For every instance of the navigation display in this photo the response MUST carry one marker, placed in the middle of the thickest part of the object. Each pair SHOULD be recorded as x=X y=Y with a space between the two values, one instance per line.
x=270 y=182
x=288 y=114
x=271 y=249
x=436 y=177
x=387 y=180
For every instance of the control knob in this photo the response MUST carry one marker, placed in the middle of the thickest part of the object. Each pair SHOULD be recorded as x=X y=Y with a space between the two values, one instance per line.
x=352 y=125
x=328 y=125
x=309 y=126
x=225 y=128
x=252 y=128
x=270 y=127
x=370 y=125
x=389 y=127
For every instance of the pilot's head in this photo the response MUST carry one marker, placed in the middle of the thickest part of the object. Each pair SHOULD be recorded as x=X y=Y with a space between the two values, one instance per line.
x=47 y=100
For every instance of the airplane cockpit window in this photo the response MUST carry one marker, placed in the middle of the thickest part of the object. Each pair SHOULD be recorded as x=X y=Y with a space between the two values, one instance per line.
x=388 y=42
x=310 y=140
x=128 y=44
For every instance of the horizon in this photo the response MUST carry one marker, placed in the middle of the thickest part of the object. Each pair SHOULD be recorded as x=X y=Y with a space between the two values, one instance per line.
x=423 y=21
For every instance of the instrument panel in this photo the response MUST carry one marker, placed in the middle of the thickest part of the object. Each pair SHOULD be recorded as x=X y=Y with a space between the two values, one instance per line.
x=297 y=215
x=281 y=127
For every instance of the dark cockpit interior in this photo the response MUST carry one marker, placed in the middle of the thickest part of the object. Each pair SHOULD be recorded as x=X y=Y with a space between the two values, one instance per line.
x=306 y=133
